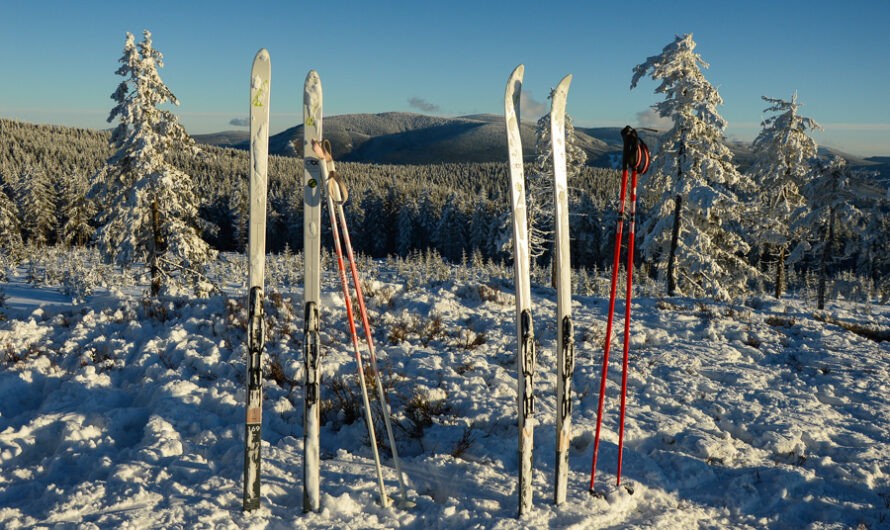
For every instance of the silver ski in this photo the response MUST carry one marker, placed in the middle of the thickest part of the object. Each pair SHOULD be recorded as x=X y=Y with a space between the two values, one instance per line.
x=312 y=184
x=260 y=77
x=525 y=336
x=565 y=343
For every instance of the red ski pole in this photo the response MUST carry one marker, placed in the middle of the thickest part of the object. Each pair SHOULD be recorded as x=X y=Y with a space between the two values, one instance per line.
x=615 y=264
x=640 y=166
x=627 y=302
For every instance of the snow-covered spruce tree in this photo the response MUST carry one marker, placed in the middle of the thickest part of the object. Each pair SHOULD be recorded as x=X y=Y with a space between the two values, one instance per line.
x=452 y=233
x=539 y=183
x=150 y=211
x=10 y=229
x=874 y=259
x=835 y=197
x=484 y=227
x=77 y=210
x=405 y=227
x=38 y=202
x=692 y=185
x=782 y=152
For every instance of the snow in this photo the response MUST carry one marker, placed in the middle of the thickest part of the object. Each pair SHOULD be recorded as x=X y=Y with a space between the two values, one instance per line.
x=118 y=413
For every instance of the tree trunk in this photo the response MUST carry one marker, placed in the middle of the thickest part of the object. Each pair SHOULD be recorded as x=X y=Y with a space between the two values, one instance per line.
x=764 y=259
x=827 y=256
x=672 y=257
x=780 y=270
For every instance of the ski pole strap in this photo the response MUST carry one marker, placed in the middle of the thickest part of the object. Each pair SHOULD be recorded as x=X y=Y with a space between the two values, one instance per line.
x=645 y=159
x=337 y=188
x=636 y=152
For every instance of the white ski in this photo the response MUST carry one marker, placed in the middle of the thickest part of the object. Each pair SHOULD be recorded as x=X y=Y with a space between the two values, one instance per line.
x=565 y=343
x=312 y=184
x=260 y=77
x=525 y=336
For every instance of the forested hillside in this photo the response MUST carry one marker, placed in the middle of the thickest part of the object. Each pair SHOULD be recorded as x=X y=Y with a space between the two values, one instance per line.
x=455 y=209
x=395 y=209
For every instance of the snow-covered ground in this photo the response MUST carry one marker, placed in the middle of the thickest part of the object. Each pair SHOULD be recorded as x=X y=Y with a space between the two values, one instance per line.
x=115 y=413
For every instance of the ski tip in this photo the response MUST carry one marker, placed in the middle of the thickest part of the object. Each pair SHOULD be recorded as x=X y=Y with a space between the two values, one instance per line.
x=565 y=82
x=262 y=55
x=514 y=87
x=312 y=77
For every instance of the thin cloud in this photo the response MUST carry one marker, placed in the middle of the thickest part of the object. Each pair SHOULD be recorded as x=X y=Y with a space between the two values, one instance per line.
x=856 y=126
x=240 y=122
x=422 y=104
x=650 y=119
x=531 y=107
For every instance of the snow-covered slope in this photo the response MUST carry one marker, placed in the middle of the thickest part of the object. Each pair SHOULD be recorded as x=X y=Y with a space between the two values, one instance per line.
x=119 y=413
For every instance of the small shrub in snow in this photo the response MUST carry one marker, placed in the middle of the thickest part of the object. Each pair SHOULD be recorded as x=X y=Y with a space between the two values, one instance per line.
x=433 y=329
x=785 y=322
x=382 y=294
x=278 y=374
x=426 y=330
x=464 y=443
x=420 y=410
x=399 y=332
x=281 y=322
x=344 y=406
x=470 y=340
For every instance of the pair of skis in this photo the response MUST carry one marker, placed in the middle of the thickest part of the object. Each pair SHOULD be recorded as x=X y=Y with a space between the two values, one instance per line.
x=526 y=355
x=636 y=159
x=317 y=170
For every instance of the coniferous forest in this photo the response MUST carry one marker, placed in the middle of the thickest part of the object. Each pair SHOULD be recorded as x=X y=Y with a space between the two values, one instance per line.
x=457 y=210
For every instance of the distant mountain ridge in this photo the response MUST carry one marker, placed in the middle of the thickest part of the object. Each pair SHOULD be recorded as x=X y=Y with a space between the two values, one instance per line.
x=410 y=138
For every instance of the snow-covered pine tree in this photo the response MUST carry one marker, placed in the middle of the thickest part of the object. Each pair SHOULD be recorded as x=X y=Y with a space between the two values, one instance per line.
x=836 y=196
x=782 y=152
x=692 y=184
x=238 y=208
x=38 y=201
x=539 y=183
x=377 y=221
x=405 y=227
x=77 y=210
x=483 y=228
x=10 y=228
x=452 y=231
x=152 y=210
x=874 y=260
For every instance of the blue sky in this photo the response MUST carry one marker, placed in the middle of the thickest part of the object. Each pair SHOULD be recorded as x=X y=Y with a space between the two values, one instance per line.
x=57 y=58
